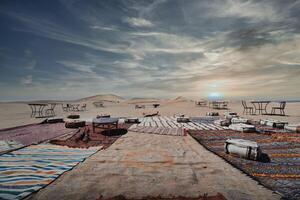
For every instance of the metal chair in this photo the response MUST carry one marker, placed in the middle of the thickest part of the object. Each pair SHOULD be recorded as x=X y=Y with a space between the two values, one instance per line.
x=50 y=111
x=280 y=108
x=225 y=105
x=201 y=103
x=66 y=108
x=215 y=105
x=247 y=108
x=83 y=107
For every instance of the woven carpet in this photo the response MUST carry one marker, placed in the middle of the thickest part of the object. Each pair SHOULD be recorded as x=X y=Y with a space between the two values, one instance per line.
x=171 y=122
x=29 y=169
x=279 y=167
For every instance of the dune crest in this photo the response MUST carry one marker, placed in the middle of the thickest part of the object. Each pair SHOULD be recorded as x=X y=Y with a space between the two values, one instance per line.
x=142 y=100
x=103 y=97
x=179 y=99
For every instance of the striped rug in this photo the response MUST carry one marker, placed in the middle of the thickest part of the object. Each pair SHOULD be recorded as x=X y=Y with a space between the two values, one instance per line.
x=171 y=122
x=29 y=169
x=158 y=130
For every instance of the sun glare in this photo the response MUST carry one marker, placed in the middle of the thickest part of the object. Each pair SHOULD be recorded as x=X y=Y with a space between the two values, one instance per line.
x=214 y=95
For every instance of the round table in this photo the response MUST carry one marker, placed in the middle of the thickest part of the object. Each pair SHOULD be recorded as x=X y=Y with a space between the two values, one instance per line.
x=260 y=106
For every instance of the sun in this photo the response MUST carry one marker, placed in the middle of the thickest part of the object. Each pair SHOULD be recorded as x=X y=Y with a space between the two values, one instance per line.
x=214 y=95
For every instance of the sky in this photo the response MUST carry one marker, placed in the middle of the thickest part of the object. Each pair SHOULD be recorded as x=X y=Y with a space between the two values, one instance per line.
x=68 y=49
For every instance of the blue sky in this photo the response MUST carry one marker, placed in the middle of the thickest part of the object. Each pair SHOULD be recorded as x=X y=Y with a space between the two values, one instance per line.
x=161 y=48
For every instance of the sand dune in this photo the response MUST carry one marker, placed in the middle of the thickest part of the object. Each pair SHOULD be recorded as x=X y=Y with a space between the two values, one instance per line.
x=179 y=99
x=103 y=97
x=142 y=100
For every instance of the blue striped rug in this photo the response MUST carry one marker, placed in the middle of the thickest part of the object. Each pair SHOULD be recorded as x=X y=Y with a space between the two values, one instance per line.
x=29 y=169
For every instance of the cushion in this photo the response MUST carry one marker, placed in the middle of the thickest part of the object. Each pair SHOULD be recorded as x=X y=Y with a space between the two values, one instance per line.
x=242 y=127
x=237 y=120
x=132 y=120
x=75 y=124
x=212 y=114
x=183 y=120
x=73 y=116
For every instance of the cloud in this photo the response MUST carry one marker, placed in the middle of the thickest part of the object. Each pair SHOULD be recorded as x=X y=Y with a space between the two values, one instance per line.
x=138 y=22
x=256 y=11
x=27 y=81
x=79 y=67
x=104 y=28
x=48 y=29
x=169 y=48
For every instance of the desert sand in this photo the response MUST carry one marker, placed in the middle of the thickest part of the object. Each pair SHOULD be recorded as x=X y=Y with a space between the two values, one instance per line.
x=140 y=165
x=18 y=114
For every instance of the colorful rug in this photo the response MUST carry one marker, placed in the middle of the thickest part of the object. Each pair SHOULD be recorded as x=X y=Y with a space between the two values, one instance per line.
x=171 y=122
x=7 y=145
x=29 y=169
x=278 y=168
x=14 y=138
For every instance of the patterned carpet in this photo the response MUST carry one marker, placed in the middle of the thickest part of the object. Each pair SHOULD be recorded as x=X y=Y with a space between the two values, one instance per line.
x=29 y=169
x=158 y=130
x=14 y=138
x=279 y=168
x=171 y=122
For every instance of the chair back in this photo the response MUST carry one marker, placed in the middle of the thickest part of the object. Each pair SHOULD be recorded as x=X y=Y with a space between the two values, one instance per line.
x=282 y=104
x=53 y=106
x=244 y=104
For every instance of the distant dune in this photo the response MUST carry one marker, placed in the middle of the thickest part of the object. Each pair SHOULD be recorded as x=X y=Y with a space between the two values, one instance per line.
x=103 y=97
x=142 y=100
x=179 y=99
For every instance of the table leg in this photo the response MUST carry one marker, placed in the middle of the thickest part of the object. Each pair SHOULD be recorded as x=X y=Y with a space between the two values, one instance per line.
x=31 y=110
x=265 y=108
x=35 y=111
x=255 y=108
x=40 y=111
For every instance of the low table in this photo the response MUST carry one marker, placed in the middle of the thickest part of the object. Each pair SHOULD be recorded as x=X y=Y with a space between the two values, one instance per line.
x=105 y=123
x=37 y=109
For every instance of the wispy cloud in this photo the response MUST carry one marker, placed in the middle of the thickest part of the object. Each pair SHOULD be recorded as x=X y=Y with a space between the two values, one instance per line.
x=138 y=22
x=27 y=81
x=104 y=28
x=256 y=11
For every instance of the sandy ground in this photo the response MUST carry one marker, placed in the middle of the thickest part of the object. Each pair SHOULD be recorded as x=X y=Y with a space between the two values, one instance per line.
x=140 y=165
x=17 y=114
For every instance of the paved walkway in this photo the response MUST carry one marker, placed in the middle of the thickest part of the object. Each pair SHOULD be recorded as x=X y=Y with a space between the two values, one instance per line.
x=140 y=165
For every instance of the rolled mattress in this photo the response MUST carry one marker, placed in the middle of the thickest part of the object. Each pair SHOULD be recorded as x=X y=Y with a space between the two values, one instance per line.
x=243 y=148
x=273 y=123
x=292 y=127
